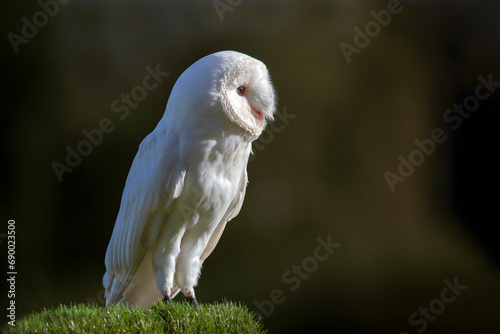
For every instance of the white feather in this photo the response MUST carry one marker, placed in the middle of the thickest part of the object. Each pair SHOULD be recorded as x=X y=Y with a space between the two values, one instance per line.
x=187 y=180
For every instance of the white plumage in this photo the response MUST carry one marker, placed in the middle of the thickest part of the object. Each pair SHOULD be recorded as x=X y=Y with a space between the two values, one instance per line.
x=187 y=180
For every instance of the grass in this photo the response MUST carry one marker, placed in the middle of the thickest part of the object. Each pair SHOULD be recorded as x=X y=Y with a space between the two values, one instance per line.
x=224 y=317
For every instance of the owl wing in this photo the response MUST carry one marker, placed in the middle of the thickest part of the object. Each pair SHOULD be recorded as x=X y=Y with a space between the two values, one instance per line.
x=155 y=180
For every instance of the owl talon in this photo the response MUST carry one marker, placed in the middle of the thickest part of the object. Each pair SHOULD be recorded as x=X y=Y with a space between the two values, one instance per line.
x=167 y=299
x=193 y=302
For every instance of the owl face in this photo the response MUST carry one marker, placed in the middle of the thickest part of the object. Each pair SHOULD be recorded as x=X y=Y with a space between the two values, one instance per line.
x=247 y=94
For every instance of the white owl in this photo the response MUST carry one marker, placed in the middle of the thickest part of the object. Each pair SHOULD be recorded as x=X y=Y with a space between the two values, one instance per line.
x=187 y=180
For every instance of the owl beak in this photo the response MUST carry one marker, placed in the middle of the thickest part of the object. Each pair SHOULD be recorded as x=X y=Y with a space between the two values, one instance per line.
x=259 y=116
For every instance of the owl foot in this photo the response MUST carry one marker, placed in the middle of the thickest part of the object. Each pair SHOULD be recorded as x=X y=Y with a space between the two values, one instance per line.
x=193 y=302
x=167 y=299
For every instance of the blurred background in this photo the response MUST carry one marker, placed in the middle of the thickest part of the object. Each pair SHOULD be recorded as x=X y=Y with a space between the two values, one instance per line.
x=352 y=108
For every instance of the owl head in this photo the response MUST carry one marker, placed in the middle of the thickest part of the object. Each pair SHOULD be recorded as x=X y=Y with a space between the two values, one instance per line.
x=226 y=86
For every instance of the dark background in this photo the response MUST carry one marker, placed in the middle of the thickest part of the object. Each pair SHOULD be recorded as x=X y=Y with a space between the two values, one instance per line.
x=321 y=175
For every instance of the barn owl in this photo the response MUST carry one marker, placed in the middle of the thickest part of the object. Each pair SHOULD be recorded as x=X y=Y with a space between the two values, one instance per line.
x=187 y=180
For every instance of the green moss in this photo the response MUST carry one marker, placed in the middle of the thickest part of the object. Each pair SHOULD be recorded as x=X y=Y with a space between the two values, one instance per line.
x=224 y=317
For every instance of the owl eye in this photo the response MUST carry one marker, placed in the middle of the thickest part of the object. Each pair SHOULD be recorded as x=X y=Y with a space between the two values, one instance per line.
x=241 y=90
